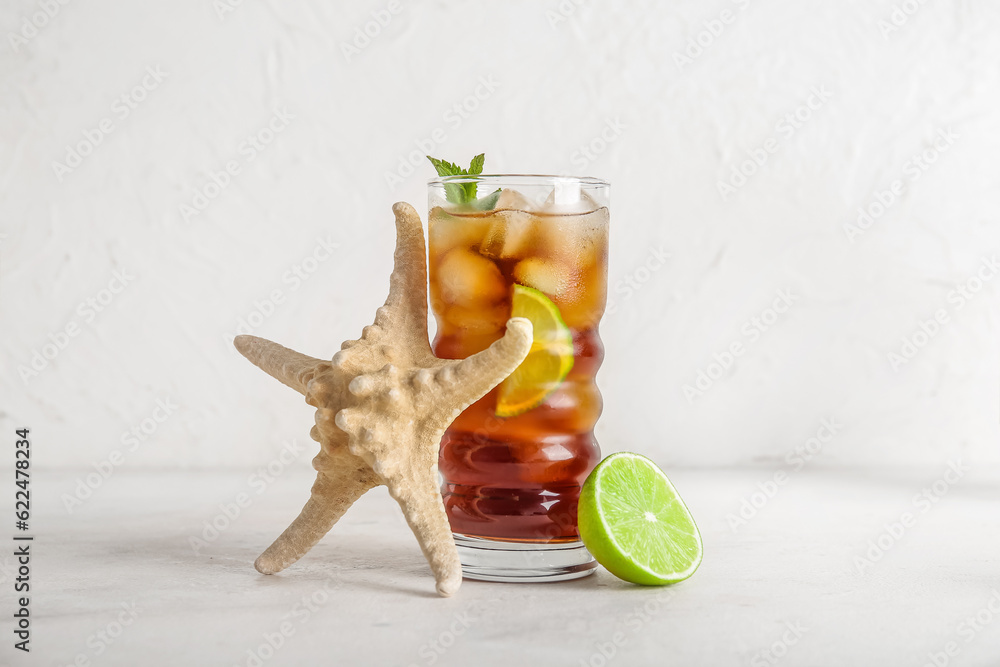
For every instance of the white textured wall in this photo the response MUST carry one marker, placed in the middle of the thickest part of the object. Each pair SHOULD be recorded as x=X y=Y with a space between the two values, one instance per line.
x=551 y=78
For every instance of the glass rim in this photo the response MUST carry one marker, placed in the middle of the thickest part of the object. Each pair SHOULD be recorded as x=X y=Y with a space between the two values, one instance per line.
x=586 y=181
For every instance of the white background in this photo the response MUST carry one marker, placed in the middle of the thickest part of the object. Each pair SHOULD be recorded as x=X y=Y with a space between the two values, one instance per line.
x=561 y=74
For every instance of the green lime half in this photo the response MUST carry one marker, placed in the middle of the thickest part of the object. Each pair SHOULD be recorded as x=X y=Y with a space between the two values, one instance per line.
x=634 y=523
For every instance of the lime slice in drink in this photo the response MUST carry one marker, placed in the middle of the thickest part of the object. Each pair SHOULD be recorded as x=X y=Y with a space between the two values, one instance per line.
x=634 y=523
x=548 y=362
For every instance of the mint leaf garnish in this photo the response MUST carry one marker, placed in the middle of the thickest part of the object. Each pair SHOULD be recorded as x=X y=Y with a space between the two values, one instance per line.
x=464 y=193
x=454 y=192
x=476 y=166
x=445 y=168
x=489 y=202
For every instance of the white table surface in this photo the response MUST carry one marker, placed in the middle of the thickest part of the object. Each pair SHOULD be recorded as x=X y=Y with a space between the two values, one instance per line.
x=792 y=565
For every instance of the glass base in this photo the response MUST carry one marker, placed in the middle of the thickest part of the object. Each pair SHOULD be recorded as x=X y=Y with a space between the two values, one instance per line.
x=523 y=562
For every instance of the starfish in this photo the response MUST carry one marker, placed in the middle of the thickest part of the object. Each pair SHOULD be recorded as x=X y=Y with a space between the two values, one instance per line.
x=382 y=405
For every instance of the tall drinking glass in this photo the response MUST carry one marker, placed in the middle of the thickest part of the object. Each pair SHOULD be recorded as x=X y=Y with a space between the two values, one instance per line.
x=514 y=461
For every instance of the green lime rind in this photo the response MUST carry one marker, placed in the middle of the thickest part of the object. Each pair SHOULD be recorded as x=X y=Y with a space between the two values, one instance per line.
x=635 y=524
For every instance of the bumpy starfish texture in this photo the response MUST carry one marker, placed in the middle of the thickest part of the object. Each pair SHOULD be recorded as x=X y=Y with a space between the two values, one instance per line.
x=382 y=405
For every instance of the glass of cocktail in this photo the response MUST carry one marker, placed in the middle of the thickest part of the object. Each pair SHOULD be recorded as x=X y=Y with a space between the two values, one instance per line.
x=514 y=461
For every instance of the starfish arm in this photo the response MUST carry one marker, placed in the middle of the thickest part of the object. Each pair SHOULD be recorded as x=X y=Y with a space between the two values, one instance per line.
x=405 y=309
x=332 y=495
x=420 y=499
x=460 y=383
x=287 y=366
x=381 y=381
